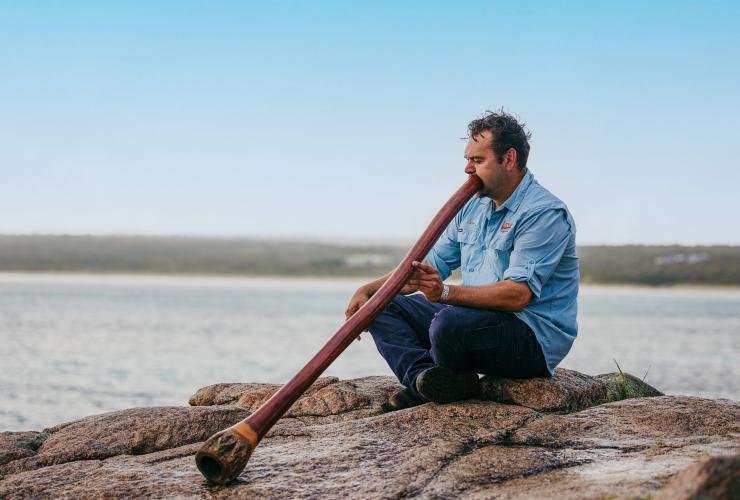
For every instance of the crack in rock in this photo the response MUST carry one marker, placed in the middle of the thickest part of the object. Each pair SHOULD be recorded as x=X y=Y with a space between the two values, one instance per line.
x=466 y=448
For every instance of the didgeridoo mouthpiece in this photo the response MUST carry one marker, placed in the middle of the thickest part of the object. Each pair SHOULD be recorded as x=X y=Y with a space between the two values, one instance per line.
x=224 y=455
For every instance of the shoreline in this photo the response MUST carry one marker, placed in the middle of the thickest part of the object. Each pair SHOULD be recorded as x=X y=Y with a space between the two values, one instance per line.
x=162 y=278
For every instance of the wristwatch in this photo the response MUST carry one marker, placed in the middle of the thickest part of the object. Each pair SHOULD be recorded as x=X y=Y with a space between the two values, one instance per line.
x=445 y=292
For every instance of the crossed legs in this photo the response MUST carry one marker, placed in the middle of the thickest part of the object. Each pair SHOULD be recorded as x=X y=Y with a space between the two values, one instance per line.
x=413 y=335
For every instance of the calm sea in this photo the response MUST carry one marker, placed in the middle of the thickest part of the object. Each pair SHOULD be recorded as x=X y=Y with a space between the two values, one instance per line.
x=72 y=346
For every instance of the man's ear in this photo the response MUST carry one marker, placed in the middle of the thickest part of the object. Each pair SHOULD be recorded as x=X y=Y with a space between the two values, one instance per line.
x=510 y=159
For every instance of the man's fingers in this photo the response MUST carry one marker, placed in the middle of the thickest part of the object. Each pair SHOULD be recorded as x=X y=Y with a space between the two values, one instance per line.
x=425 y=277
x=420 y=273
x=423 y=267
x=350 y=311
x=421 y=282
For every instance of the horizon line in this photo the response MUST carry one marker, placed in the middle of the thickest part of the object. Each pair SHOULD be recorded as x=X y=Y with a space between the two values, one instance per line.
x=336 y=240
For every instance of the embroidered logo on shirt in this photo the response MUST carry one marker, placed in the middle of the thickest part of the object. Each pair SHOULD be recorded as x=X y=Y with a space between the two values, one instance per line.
x=505 y=227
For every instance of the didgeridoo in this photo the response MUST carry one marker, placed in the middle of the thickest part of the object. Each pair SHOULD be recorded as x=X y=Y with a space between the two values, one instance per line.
x=224 y=455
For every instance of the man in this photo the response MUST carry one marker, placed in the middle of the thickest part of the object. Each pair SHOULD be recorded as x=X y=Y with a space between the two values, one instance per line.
x=515 y=313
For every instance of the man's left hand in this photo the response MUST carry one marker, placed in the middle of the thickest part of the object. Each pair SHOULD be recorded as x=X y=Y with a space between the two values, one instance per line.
x=426 y=280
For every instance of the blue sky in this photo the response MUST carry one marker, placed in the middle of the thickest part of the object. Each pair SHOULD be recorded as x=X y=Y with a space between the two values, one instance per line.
x=344 y=121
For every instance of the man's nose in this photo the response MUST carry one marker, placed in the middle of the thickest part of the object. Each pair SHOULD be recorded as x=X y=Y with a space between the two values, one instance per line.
x=469 y=169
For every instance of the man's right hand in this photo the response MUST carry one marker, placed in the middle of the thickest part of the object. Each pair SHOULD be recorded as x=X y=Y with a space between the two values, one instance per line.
x=358 y=299
x=362 y=295
x=355 y=303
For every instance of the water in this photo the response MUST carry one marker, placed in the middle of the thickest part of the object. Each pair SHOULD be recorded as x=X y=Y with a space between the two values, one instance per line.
x=72 y=346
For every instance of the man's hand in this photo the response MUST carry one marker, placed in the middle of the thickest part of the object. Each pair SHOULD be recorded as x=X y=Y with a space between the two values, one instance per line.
x=413 y=285
x=358 y=299
x=426 y=280
x=355 y=303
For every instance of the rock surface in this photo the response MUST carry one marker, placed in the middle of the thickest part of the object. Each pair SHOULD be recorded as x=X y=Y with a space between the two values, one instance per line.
x=136 y=431
x=326 y=397
x=338 y=442
x=567 y=391
x=717 y=477
x=15 y=445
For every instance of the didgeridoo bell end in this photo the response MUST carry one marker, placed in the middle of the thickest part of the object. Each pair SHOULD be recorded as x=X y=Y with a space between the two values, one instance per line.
x=224 y=455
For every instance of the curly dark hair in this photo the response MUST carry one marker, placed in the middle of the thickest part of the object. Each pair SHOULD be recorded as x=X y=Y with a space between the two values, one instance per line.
x=507 y=133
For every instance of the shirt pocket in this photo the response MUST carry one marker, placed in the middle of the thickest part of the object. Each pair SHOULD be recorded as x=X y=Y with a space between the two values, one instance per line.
x=500 y=255
x=467 y=237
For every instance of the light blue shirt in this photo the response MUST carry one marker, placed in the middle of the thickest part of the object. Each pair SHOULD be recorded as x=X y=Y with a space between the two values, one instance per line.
x=530 y=238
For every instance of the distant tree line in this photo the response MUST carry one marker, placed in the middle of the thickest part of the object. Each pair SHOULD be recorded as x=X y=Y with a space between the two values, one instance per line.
x=190 y=255
x=661 y=265
x=632 y=264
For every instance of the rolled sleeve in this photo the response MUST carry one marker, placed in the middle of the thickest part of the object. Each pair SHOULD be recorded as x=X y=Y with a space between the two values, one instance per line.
x=445 y=254
x=539 y=245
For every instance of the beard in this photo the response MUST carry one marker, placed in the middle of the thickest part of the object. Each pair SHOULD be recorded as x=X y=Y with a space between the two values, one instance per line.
x=485 y=192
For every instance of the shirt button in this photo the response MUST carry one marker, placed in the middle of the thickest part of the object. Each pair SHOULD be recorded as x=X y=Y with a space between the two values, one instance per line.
x=471 y=269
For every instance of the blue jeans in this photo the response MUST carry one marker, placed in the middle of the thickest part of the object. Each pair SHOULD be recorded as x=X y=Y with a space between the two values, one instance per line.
x=413 y=334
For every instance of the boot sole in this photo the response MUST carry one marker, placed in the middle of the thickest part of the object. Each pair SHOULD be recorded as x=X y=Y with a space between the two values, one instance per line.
x=401 y=401
x=442 y=385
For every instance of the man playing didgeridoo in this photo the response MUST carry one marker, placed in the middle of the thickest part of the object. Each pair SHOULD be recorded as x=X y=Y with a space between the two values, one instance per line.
x=515 y=313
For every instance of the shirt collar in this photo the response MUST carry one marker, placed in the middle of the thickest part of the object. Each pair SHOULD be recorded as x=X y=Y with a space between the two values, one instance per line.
x=512 y=202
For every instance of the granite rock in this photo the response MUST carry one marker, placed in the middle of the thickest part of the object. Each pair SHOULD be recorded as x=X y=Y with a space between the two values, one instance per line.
x=338 y=443
x=136 y=431
x=717 y=477
x=15 y=445
x=327 y=396
x=566 y=391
